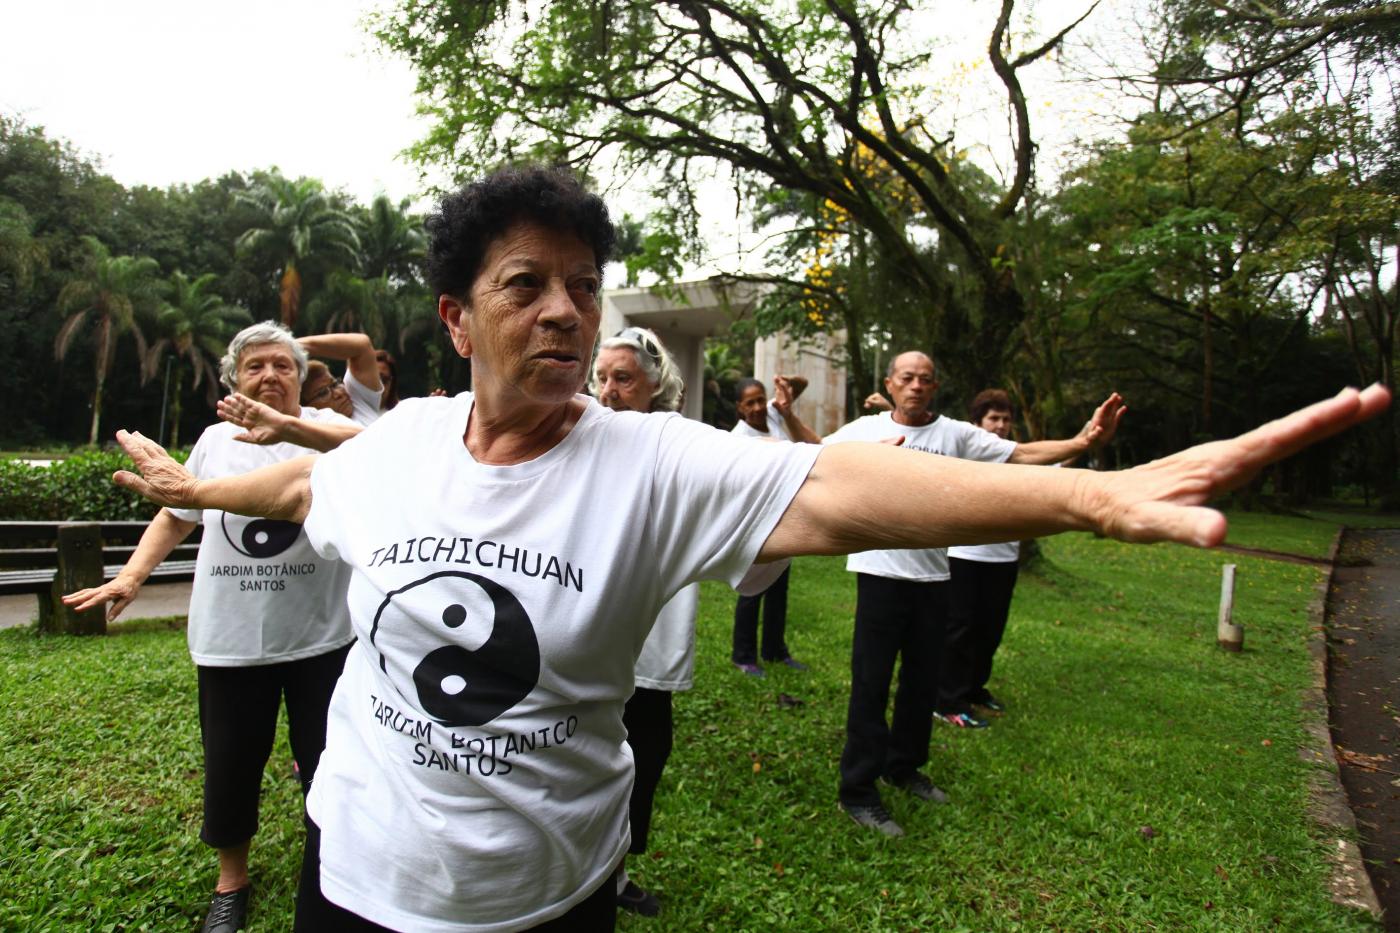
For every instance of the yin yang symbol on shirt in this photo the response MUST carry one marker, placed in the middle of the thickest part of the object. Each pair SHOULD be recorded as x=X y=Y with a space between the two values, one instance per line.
x=259 y=537
x=457 y=645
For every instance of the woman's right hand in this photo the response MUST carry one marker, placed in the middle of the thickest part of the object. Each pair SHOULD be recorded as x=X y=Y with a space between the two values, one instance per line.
x=119 y=592
x=161 y=479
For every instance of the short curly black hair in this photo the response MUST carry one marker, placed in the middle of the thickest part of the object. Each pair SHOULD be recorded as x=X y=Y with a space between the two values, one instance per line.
x=468 y=220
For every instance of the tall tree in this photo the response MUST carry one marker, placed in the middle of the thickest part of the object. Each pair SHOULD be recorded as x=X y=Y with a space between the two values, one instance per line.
x=299 y=225
x=804 y=97
x=108 y=292
x=392 y=240
x=192 y=326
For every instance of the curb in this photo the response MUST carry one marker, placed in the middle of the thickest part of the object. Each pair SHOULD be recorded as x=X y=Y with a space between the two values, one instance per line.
x=1349 y=884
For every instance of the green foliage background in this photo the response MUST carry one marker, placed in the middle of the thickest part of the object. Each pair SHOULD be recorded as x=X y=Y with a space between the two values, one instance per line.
x=75 y=488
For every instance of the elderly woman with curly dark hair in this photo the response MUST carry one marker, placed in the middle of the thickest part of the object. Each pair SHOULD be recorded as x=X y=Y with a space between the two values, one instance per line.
x=522 y=540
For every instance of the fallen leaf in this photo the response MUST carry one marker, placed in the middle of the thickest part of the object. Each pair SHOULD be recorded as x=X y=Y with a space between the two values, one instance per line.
x=1147 y=832
x=1221 y=873
x=1267 y=742
x=778 y=869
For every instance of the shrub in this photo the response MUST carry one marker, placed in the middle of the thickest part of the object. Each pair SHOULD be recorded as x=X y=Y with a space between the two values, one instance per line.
x=77 y=488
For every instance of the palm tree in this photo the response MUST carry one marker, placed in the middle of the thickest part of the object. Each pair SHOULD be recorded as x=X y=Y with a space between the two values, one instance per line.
x=194 y=325
x=392 y=242
x=297 y=224
x=348 y=302
x=111 y=291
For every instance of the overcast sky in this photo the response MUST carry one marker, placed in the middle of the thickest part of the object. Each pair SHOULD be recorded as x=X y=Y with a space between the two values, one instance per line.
x=169 y=91
x=162 y=92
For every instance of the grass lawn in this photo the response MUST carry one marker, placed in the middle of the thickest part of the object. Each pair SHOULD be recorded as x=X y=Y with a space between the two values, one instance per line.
x=1141 y=780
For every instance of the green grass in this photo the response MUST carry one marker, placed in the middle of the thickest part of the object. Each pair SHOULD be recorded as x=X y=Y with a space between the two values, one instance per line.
x=1124 y=715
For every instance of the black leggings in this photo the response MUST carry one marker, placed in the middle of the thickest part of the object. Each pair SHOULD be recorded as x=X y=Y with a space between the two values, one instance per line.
x=647 y=717
x=596 y=913
x=238 y=723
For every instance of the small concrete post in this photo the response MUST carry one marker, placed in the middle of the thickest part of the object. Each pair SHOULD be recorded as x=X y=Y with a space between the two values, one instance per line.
x=79 y=567
x=1228 y=635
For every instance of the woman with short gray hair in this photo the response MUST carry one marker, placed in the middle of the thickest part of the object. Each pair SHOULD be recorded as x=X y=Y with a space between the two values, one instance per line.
x=267 y=615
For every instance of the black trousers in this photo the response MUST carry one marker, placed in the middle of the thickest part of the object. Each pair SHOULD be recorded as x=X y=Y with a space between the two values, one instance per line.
x=894 y=619
x=647 y=717
x=774 y=601
x=596 y=913
x=978 y=606
x=238 y=724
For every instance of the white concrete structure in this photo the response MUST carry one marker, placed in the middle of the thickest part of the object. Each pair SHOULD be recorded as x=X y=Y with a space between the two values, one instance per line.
x=706 y=309
x=823 y=406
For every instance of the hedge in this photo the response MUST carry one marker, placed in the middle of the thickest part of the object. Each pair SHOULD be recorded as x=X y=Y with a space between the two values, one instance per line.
x=77 y=488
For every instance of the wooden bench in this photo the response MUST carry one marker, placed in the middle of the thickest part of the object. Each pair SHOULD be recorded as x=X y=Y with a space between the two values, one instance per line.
x=50 y=558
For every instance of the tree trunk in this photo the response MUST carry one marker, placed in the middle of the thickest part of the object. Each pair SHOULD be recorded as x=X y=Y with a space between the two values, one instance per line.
x=103 y=351
x=175 y=408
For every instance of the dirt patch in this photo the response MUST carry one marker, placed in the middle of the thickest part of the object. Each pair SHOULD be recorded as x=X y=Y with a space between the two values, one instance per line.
x=1363 y=639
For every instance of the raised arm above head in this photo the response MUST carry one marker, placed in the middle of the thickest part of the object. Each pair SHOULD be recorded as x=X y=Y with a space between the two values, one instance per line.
x=355 y=349
x=281 y=490
x=846 y=504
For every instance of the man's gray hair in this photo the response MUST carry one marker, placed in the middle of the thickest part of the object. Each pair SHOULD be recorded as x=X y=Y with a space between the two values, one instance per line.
x=656 y=362
x=251 y=336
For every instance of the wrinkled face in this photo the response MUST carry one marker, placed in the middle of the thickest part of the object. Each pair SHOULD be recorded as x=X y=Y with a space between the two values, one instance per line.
x=268 y=373
x=622 y=385
x=753 y=407
x=530 y=317
x=911 y=385
x=998 y=422
x=322 y=390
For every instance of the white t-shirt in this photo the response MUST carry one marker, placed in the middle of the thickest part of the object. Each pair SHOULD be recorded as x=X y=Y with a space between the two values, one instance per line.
x=777 y=428
x=476 y=775
x=261 y=594
x=942 y=435
x=364 y=401
x=667 y=661
x=1007 y=552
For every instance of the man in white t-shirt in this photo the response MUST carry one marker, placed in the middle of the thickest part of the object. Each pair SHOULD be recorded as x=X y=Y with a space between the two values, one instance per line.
x=267 y=614
x=359 y=396
x=775 y=421
x=902 y=599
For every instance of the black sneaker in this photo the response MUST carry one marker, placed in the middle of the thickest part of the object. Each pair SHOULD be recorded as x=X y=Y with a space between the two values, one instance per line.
x=638 y=901
x=874 y=817
x=228 y=913
x=990 y=703
x=921 y=787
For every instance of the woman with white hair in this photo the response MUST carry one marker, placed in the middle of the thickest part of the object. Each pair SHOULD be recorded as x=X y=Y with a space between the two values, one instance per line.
x=634 y=372
x=267 y=614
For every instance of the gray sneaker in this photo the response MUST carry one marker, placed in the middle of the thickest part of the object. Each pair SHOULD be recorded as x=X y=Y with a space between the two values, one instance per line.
x=874 y=817
x=921 y=787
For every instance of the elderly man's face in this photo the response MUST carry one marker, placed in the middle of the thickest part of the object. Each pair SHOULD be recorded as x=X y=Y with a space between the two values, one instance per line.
x=268 y=373
x=530 y=317
x=911 y=386
x=622 y=385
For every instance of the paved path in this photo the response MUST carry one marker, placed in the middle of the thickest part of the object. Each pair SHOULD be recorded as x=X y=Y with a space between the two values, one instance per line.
x=155 y=601
x=1363 y=635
